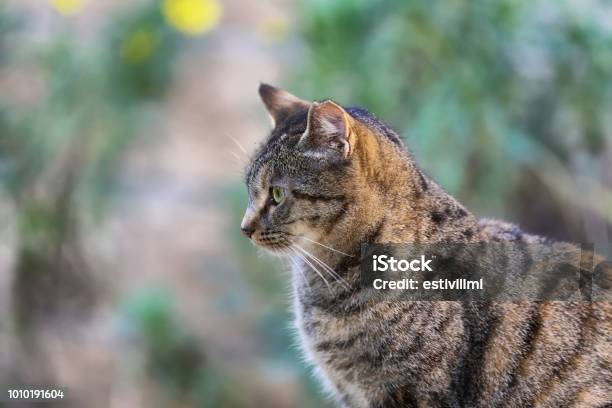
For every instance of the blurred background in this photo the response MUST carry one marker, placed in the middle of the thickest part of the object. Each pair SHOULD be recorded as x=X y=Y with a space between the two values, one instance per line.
x=125 y=128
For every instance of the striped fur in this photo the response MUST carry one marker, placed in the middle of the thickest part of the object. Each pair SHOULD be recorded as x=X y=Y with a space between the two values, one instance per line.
x=406 y=354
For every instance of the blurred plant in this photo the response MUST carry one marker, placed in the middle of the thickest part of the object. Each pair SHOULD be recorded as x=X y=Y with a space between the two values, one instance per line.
x=273 y=30
x=59 y=154
x=483 y=91
x=140 y=56
x=67 y=7
x=8 y=23
x=173 y=356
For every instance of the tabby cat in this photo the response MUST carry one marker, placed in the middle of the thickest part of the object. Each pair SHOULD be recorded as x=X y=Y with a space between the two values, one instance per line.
x=329 y=179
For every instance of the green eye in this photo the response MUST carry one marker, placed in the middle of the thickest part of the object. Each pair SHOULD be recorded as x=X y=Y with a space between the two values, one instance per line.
x=278 y=194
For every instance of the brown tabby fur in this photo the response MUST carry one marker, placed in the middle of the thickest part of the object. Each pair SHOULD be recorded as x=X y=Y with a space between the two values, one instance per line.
x=348 y=180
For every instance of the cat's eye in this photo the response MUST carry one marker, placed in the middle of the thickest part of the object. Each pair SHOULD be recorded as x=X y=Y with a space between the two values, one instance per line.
x=278 y=194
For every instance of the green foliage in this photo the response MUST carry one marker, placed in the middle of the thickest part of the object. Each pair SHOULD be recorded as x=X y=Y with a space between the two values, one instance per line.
x=59 y=151
x=174 y=357
x=94 y=100
x=59 y=155
x=141 y=52
x=480 y=89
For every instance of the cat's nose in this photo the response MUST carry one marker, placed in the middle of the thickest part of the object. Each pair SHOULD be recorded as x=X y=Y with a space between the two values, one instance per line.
x=248 y=224
x=247 y=230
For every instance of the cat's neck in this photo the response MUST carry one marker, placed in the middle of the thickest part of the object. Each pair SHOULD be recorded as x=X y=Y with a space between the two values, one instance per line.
x=402 y=204
x=393 y=202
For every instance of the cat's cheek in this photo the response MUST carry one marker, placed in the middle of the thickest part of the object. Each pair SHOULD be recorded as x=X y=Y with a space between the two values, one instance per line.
x=303 y=230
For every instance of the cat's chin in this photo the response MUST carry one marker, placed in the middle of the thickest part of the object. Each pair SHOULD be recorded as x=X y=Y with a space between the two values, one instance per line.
x=277 y=252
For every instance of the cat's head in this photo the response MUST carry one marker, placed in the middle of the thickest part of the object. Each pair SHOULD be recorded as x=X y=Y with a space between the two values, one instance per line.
x=299 y=180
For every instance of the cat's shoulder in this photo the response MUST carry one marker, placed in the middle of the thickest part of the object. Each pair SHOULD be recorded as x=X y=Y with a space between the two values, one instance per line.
x=498 y=230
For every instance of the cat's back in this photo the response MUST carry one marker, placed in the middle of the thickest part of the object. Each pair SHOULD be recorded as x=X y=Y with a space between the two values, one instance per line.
x=546 y=353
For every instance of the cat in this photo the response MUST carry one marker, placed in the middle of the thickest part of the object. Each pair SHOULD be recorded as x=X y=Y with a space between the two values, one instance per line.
x=329 y=179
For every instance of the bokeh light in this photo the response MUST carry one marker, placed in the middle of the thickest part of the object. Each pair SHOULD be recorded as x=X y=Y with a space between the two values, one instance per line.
x=67 y=7
x=192 y=17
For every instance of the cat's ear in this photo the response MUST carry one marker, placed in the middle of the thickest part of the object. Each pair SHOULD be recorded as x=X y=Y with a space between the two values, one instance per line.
x=280 y=104
x=328 y=130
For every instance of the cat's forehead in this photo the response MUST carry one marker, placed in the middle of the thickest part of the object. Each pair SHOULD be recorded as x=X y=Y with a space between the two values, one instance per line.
x=275 y=159
x=293 y=124
x=278 y=152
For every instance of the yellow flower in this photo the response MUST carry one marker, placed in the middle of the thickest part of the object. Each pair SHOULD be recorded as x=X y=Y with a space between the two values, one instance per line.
x=138 y=47
x=192 y=17
x=67 y=7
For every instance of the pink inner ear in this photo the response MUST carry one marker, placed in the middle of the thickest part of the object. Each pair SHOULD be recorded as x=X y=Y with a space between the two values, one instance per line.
x=328 y=119
x=327 y=129
x=331 y=125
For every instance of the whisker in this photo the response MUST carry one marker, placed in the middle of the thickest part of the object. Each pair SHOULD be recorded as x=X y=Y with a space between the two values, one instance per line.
x=296 y=266
x=235 y=155
x=238 y=144
x=238 y=161
x=277 y=251
x=326 y=267
x=303 y=258
x=324 y=246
